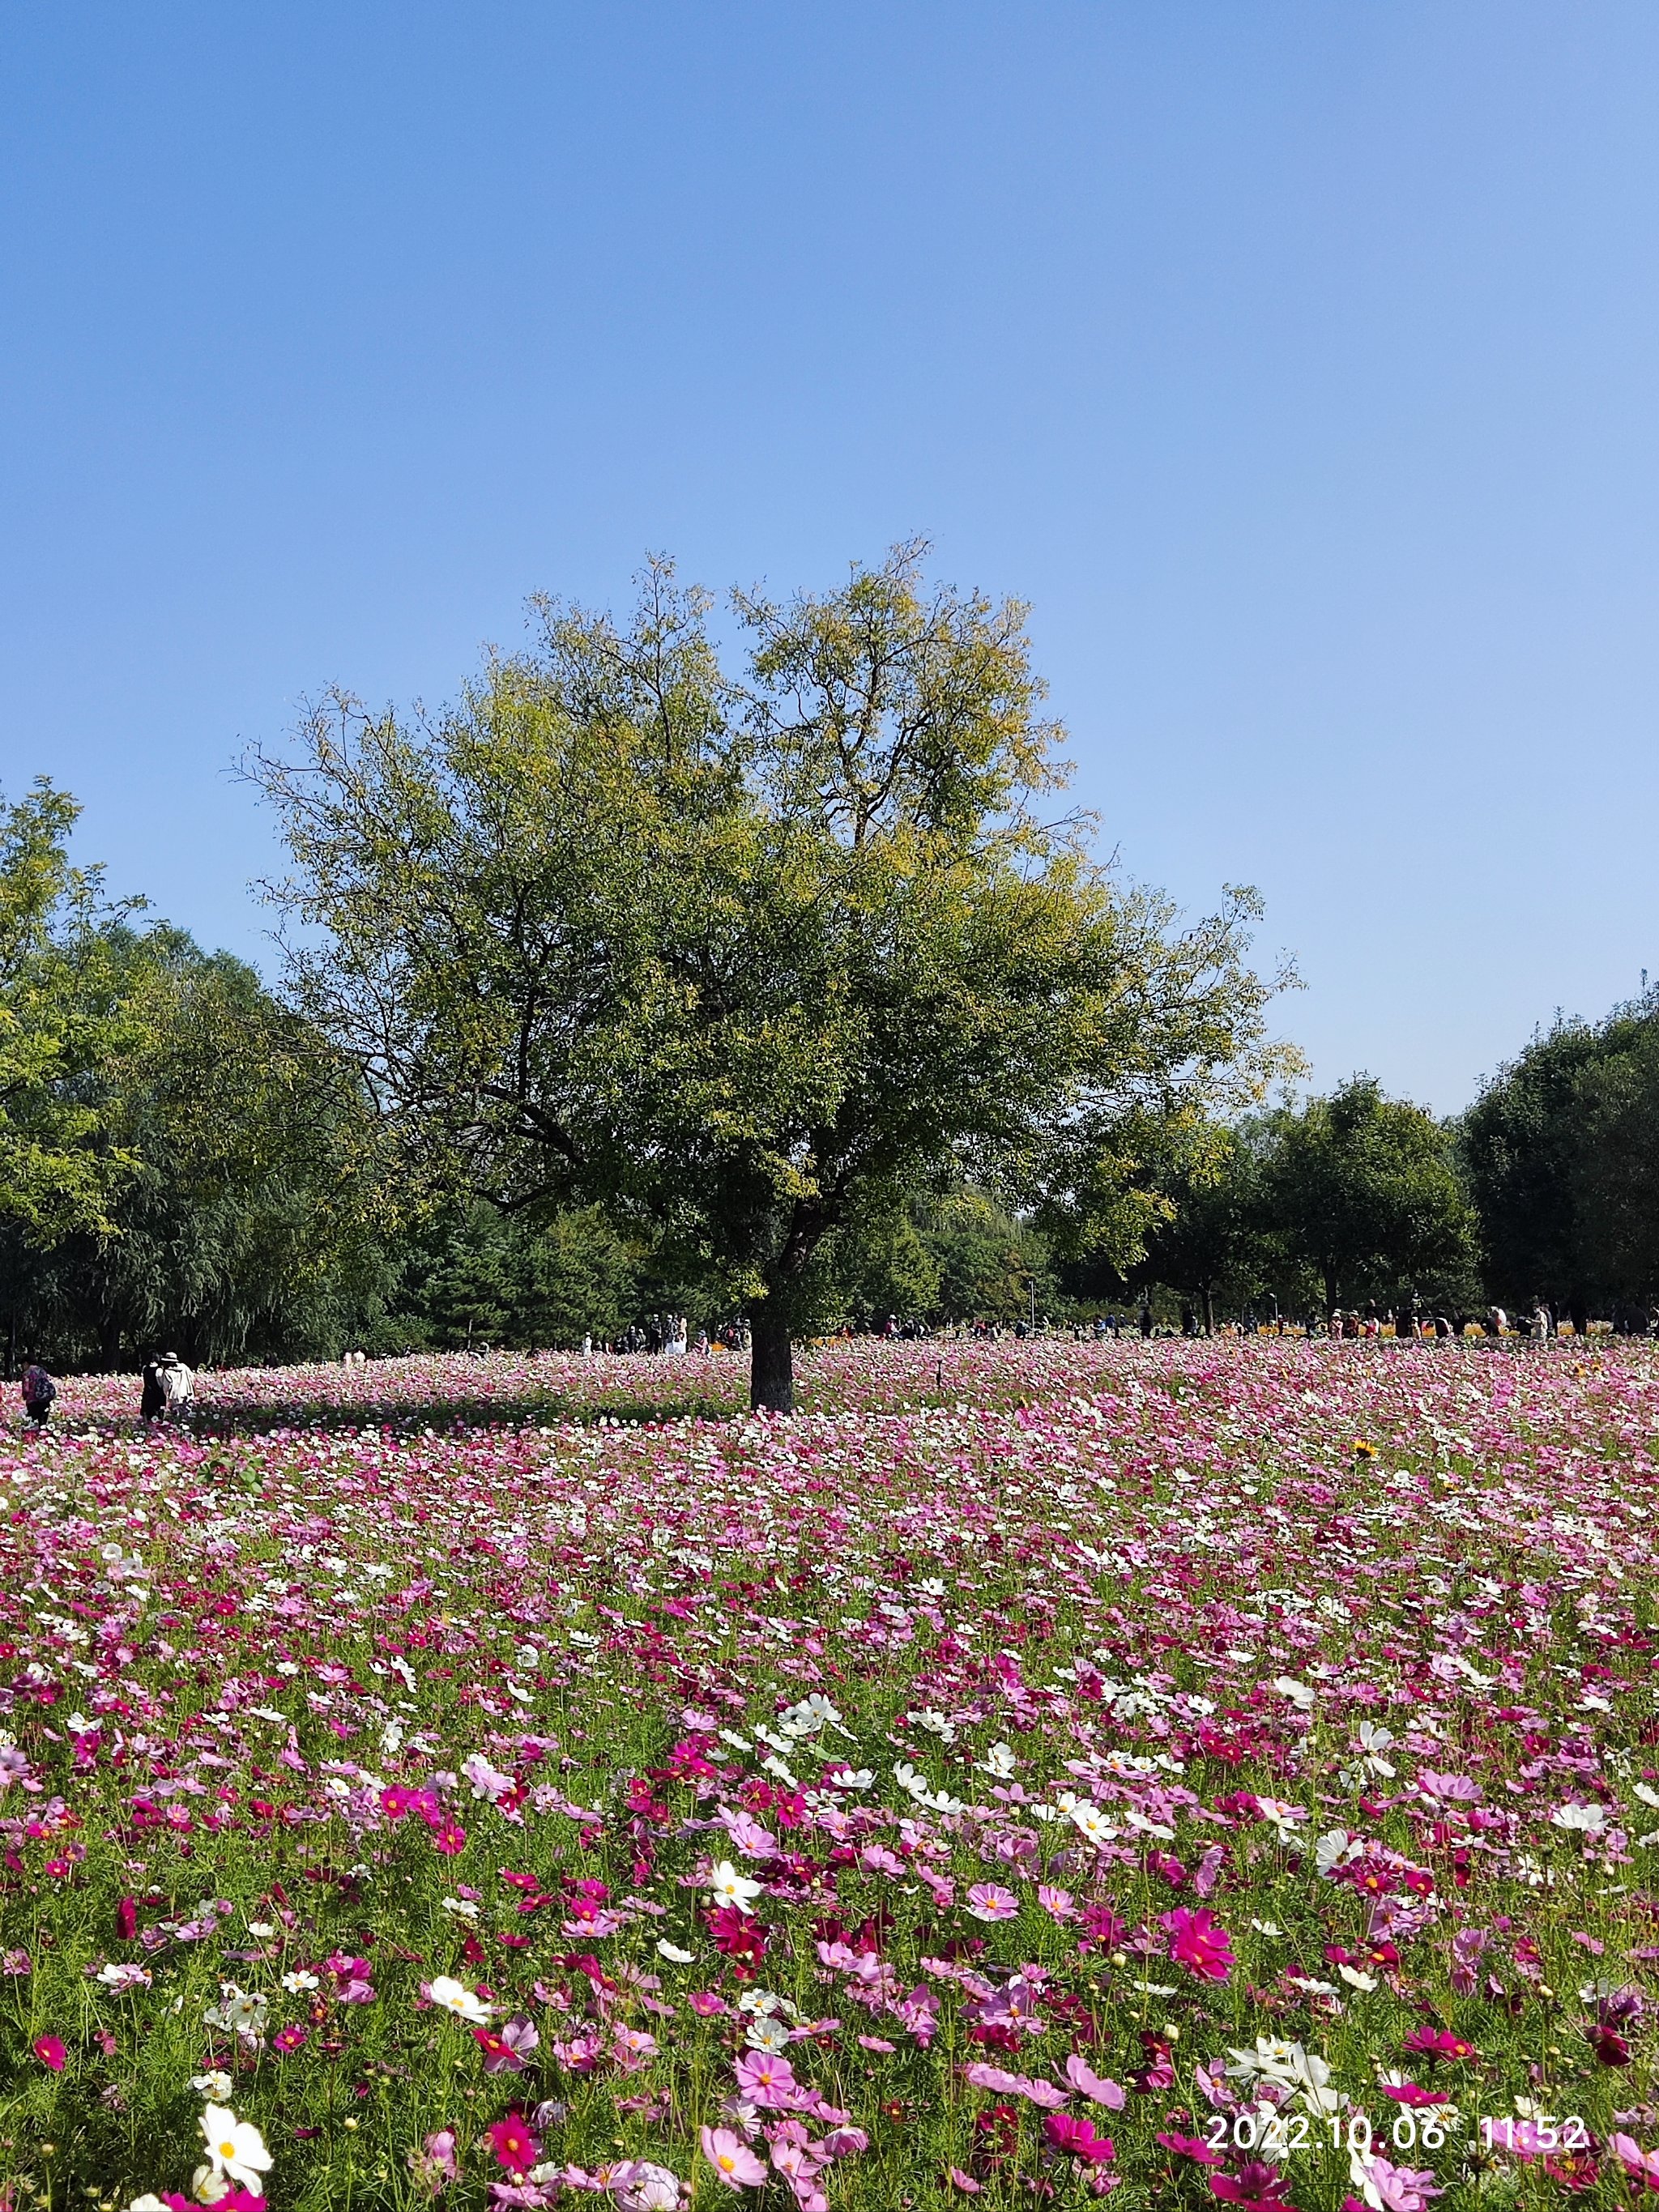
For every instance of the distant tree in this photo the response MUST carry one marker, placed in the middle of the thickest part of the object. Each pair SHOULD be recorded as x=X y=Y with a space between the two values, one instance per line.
x=1364 y=1190
x=745 y=962
x=61 y=1020
x=1615 y=1176
x=988 y=1261
x=1217 y=1241
x=1556 y=1151
x=248 y=1219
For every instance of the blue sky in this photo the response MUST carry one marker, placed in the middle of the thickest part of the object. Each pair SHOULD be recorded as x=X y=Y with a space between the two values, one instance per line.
x=1296 y=362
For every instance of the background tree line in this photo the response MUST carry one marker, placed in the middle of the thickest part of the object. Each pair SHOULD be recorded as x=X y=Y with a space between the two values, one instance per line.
x=638 y=981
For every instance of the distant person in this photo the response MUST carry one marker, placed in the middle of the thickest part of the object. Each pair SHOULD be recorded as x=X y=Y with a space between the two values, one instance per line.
x=1145 y=1319
x=152 y=1399
x=38 y=1391
x=1444 y=1330
x=1498 y=1321
x=178 y=1387
x=1543 y=1326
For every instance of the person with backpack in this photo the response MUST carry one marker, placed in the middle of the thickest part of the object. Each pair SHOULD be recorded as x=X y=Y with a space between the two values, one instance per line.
x=178 y=1383
x=38 y=1391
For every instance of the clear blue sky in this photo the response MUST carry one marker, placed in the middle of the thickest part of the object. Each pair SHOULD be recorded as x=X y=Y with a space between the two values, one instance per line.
x=1298 y=363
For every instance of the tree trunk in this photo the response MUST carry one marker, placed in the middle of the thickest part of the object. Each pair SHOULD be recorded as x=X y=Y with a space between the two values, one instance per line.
x=771 y=1361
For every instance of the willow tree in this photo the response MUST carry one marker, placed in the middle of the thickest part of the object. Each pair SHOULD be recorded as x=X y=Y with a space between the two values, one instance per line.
x=745 y=957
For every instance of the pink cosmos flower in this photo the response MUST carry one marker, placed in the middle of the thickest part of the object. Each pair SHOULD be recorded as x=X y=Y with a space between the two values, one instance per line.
x=1058 y=1903
x=434 y=2166
x=1640 y=2165
x=1001 y=2083
x=50 y=2052
x=731 y=2159
x=1390 y=2188
x=1098 y=2087
x=514 y=2143
x=768 y=2081
x=1258 y=2186
x=1078 y=2139
x=1197 y=1943
x=989 y=1901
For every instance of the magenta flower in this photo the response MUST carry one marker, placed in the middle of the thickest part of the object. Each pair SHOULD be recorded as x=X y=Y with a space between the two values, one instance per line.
x=50 y=2052
x=1197 y=1943
x=1077 y=2139
x=514 y=2143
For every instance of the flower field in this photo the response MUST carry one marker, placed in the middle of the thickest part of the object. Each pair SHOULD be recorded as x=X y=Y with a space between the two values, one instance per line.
x=1197 y=1774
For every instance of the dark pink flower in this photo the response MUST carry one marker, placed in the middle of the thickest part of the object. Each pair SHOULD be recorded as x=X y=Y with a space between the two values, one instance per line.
x=1197 y=1943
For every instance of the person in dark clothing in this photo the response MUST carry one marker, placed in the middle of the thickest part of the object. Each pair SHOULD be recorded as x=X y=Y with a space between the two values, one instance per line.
x=152 y=1402
x=38 y=1391
x=1145 y=1319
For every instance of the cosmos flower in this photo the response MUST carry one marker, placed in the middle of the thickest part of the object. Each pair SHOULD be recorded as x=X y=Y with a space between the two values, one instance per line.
x=236 y=2150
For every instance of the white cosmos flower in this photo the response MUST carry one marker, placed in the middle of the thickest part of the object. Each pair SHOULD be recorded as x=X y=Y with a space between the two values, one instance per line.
x=454 y=1996
x=462 y=1907
x=999 y=1762
x=1582 y=1820
x=236 y=2150
x=297 y=1981
x=1334 y=1848
x=1357 y=1980
x=1092 y=1822
x=1647 y=1795
x=768 y=2034
x=1283 y=1820
x=727 y=1887
x=239 y=2012
x=673 y=1952
x=1299 y=1695
x=214 y=2085
x=907 y=1779
x=117 y=1977
x=148 y=2203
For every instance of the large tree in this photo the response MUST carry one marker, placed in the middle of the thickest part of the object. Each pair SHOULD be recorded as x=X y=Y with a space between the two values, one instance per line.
x=744 y=959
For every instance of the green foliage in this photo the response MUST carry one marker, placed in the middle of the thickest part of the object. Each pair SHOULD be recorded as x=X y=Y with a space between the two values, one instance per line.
x=1217 y=1244
x=472 y=1276
x=61 y=1019
x=1559 y=1151
x=248 y=1219
x=1364 y=1190
x=746 y=962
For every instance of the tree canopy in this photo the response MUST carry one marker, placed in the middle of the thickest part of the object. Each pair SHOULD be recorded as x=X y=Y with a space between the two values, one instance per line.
x=747 y=959
x=61 y=1019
